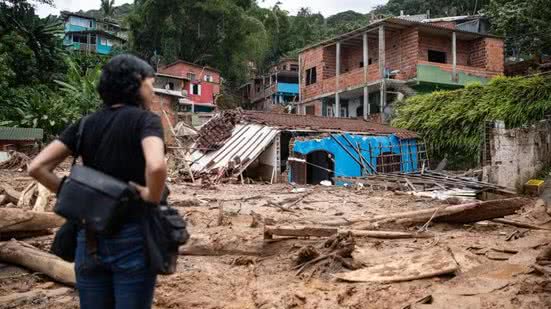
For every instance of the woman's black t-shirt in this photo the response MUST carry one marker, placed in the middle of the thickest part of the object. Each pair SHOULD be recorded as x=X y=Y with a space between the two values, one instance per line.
x=111 y=141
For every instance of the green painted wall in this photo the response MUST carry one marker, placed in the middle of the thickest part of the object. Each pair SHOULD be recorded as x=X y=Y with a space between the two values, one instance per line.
x=427 y=73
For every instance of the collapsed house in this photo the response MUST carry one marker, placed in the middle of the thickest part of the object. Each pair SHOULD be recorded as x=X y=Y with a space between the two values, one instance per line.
x=302 y=149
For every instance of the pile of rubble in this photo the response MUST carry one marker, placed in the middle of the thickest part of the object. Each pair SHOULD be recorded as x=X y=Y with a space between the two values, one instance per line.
x=213 y=133
x=17 y=160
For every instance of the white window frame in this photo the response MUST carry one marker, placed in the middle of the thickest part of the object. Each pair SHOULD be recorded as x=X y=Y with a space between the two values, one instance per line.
x=198 y=89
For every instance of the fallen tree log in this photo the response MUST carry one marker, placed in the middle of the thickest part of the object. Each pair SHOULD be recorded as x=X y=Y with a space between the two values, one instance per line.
x=20 y=253
x=12 y=195
x=465 y=213
x=205 y=245
x=15 y=220
x=315 y=231
x=520 y=224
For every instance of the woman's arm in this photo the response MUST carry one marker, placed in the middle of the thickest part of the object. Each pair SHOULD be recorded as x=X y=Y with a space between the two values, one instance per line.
x=41 y=168
x=155 y=170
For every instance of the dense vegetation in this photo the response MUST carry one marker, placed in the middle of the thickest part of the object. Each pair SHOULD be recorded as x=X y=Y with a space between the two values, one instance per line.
x=41 y=85
x=453 y=121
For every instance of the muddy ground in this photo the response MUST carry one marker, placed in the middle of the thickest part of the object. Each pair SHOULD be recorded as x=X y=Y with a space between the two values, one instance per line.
x=265 y=277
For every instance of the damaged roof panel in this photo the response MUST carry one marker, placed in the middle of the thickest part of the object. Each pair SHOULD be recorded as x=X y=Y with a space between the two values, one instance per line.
x=244 y=146
x=307 y=122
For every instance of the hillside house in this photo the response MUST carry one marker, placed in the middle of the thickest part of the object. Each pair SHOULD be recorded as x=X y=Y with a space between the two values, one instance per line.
x=183 y=88
x=277 y=88
x=91 y=35
x=19 y=138
x=362 y=72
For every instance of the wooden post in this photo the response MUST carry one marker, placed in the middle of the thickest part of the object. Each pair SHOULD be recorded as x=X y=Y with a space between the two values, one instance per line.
x=382 y=65
x=337 y=90
x=366 y=72
x=454 y=56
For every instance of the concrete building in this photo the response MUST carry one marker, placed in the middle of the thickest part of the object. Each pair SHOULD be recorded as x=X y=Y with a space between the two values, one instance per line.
x=185 y=89
x=91 y=35
x=362 y=72
x=277 y=88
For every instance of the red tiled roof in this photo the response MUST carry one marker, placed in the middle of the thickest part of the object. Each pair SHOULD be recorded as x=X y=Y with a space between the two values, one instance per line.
x=292 y=121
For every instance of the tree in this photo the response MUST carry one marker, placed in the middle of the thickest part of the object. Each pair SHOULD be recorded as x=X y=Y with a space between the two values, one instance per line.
x=42 y=36
x=437 y=8
x=107 y=7
x=40 y=85
x=526 y=25
x=219 y=33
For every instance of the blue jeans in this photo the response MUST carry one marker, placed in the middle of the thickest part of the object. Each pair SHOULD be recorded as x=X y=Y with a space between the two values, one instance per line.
x=117 y=276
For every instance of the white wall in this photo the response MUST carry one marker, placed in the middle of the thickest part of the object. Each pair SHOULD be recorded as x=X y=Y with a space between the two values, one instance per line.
x=353 y=105
x=519 y=154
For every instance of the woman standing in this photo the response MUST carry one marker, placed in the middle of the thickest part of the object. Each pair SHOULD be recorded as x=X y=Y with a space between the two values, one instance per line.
x=123 y=140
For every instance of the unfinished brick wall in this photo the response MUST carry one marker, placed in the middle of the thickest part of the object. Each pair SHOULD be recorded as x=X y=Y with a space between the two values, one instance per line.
x=444 y=44
x=312 y=58
x=478 y=53
x=488 y=53
x=409 y=53
x=167 y=103
x=495 y=55
x=318 y=107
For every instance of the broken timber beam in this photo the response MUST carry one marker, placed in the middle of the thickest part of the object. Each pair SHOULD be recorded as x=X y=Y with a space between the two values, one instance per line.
x=465 y=213
x=317 y=231
x=520 y=224
x=11 y=194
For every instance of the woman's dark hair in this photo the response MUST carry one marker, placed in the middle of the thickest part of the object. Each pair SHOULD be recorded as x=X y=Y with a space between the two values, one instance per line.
x=121 y=79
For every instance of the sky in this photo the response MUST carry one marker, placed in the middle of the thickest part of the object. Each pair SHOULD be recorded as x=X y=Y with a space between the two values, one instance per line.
x=326 y=7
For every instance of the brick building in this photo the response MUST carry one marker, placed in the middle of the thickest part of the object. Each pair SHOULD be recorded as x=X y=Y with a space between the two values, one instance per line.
x=184 y=88
x=375 y=63
x=277 y=88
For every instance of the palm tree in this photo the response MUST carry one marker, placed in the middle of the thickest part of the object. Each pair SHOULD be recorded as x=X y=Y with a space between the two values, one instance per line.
x=107 y=7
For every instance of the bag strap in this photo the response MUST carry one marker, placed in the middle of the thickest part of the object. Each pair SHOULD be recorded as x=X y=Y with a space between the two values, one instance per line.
x=79 y=139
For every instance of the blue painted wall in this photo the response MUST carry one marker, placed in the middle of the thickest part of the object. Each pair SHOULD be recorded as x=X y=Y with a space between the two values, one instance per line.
x=79 y=24
x=101 y=48
x=345 y=166
x=287 y=88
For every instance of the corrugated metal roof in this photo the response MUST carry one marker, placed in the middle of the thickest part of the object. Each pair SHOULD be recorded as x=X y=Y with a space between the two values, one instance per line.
x=246 y=144
x=21 y=134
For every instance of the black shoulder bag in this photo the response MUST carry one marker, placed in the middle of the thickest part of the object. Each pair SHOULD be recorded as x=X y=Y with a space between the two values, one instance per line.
x=91 y=199
x=164 y=232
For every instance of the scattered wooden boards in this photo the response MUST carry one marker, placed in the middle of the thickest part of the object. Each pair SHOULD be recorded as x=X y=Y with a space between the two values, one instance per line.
x=412 y=266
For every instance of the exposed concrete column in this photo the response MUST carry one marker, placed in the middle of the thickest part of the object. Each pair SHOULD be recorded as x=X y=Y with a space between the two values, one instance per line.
x=338 y=82
x=382 y=64
x=454 y=56
x=299 y=105
x=366 y=71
